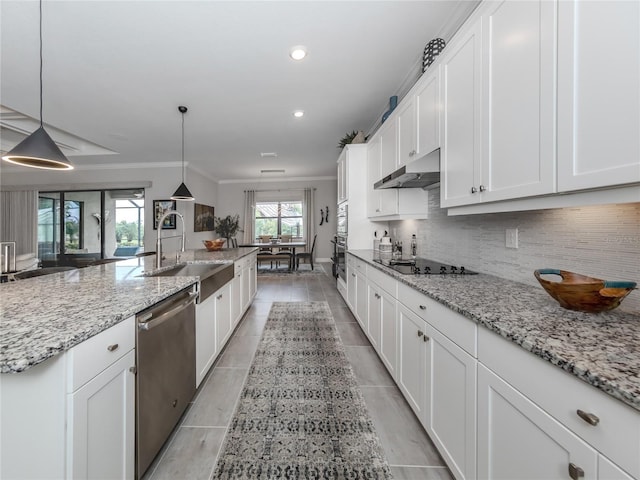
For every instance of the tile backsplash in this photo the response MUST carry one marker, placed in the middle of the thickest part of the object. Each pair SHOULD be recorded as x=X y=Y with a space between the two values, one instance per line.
x=600 y=241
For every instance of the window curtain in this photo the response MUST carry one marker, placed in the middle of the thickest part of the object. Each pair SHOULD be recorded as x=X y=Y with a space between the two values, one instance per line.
x=249 y=216
x=309 y=216
x=19 y=220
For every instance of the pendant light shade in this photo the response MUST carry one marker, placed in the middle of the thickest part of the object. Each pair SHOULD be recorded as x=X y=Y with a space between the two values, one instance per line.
x=38 y=150
x=182 y=193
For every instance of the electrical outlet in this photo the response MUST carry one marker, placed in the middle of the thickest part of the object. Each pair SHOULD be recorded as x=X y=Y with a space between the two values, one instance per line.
x=511 y=238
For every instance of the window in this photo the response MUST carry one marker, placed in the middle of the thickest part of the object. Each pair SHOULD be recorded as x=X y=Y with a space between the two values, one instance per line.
x=277 y=218
x=90 y=225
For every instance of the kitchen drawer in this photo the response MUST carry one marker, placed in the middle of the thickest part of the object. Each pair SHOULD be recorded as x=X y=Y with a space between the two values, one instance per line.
x=384 y=281
x=240 y=264
x=561 y=395
x=89 y=358
x=452 y=325
x=360 y=265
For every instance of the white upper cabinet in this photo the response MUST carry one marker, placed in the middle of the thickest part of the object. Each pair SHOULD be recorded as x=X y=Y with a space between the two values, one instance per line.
x=406 y=125
x=388 y=136
x=460 y=155
x=498 y=88
x=343 y=180
x=598 y=94
x=518 y=151
x=428 y=108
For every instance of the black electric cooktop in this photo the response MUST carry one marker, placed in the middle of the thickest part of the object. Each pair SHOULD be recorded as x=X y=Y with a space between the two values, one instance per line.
x=422 y=266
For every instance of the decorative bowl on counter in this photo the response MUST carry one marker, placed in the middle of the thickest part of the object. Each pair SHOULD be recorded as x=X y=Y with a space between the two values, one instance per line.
x=213 y=245
x=582 y=293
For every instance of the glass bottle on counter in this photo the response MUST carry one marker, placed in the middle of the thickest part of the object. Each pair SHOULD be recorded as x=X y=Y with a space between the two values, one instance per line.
x=414 y=246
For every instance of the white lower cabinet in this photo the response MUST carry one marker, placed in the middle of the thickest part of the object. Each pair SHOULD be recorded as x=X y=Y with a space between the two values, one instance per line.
x=73 y=415
x=222 y=306
x=206 y=345
x=451 y=403
x=412 y=375
x=518 y=440
x=101 y=425
x=236 y=295
x=492 y=409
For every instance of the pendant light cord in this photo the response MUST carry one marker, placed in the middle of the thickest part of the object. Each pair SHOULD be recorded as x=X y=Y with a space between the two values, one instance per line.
x=41 y=121
x=182 y=147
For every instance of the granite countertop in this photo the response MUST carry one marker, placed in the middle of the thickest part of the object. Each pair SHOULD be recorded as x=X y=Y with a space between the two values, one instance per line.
x=43 y=316
x=601 y=349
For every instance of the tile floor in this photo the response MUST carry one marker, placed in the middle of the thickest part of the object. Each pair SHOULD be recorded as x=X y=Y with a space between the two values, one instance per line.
x=192 y=450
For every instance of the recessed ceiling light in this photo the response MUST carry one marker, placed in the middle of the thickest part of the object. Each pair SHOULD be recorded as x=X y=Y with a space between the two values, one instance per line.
x=298 y=113
x=298 y=52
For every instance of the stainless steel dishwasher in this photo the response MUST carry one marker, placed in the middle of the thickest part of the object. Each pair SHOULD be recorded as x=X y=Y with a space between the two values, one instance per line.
x=166 y=371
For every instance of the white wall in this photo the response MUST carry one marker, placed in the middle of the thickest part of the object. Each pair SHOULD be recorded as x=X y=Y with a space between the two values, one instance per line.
x=601 y=241
x=164 y=179
x=231 y=201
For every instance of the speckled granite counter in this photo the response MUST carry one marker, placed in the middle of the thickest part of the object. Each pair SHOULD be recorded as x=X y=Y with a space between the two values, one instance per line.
x=43 y=316
x=601 y=349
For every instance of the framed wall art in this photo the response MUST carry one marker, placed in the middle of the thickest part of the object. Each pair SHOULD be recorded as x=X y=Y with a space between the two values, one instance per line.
x=202 y=218
x=160 y=207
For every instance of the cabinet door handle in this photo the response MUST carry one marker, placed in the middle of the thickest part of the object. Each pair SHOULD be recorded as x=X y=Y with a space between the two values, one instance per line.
x=219 y=297
x=425 y=338
x=353 y=274
x=575 y=471
x=474 y=189
x=420 y=333
x=377 y=210
x=423 y=307
x=377 y=296
x=482 y=188
x=590 y=418
x=113 y=348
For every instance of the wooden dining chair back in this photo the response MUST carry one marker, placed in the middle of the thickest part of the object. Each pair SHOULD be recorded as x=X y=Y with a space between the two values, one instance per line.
x=308 y=254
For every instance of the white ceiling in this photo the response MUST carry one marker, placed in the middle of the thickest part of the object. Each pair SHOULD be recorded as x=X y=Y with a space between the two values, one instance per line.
x=116 y=71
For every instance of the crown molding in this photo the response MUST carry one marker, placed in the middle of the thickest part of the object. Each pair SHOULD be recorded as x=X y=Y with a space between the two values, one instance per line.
x=278 y=180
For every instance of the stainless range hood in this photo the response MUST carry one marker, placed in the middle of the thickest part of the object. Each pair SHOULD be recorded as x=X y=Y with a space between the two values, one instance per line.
x=423 y=172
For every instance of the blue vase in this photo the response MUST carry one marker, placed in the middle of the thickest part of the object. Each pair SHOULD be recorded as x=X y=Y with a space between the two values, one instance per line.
x=393 y=103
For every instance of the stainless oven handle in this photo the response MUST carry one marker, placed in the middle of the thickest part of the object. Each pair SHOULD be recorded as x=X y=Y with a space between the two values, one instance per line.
x=148 y=325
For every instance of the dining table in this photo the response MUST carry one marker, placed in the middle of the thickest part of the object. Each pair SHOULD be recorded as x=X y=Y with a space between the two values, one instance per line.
x=278 y=245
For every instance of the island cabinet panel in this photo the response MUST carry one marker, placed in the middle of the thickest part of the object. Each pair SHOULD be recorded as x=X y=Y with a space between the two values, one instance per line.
x=101 y=427
x=598 y=94
x=73 y=415
x=518 y=440
x=206 y=345
x=222 y=306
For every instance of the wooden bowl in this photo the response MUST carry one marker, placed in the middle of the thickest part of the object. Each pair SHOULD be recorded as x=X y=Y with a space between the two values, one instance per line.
x=582 y=293
x=213 y=245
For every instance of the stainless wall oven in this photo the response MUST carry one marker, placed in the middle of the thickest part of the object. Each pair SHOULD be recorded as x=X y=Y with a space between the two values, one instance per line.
x=342 y=220
x=339 y=258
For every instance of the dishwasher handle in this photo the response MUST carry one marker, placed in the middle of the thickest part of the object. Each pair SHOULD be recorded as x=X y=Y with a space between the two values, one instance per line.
x=148 y=322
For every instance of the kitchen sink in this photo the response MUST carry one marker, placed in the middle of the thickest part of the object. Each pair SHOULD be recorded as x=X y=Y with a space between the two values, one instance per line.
x=212 y=275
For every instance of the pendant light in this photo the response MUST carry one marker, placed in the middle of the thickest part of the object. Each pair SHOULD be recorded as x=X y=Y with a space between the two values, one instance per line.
x=38 y=150
x=182 y=193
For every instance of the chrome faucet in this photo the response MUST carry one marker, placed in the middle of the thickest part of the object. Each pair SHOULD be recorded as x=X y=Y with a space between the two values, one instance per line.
x=159 y=240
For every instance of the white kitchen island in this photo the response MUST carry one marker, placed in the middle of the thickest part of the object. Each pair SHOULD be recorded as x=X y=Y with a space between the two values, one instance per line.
x=67 y=344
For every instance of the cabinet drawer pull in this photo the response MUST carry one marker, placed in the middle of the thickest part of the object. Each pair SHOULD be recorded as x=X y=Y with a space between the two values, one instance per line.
x=420 y=333
x=474 y=190
x=575 y=471
x=113 y=347
x=590 y=418
x=482 y=188
x=423 y=307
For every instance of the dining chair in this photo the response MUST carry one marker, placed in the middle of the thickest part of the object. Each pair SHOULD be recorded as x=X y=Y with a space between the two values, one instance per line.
x=308 y=254
x=284 y=253
x=265 y=254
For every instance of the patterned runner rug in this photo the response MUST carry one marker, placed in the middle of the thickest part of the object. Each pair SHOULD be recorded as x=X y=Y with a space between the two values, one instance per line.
x=301 y=414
